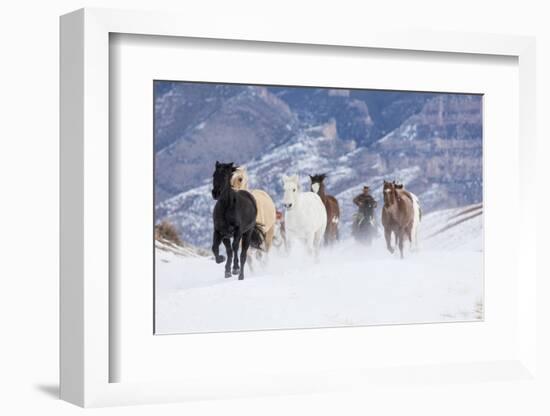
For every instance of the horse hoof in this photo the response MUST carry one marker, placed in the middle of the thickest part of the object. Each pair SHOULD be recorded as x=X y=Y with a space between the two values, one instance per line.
x=241 y=276
x=227 y=274
x=220 y=259
x=236 y=271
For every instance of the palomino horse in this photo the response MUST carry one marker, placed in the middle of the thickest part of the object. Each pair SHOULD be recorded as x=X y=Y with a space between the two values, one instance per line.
x=234 y=218
x=364 y=225
x=266 y=208
x=305 y=215
x=398 y=215
x=331 y=205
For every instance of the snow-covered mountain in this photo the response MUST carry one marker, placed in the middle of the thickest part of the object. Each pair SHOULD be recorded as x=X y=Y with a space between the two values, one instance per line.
x=197 y=124
x=434 y=145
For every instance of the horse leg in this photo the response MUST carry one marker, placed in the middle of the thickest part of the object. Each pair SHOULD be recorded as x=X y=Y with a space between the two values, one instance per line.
x=269 y=235
x=229 y=251
x=317 y=244
x=310 y=242
x=269 y=238
x=236 y=243
x=328 y=234
x=216 y=240
x=387 y=236
x=331 y=233
x=401 y=238
x=244 y=250
x=409 y=235
x=288 y=243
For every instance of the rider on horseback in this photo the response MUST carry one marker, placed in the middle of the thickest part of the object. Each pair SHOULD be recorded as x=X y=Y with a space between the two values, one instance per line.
x=366 y=203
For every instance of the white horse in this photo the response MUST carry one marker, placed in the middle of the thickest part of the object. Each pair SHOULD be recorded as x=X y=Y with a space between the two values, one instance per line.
x=305 y=215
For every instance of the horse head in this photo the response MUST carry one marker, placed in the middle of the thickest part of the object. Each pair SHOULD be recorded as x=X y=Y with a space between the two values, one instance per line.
x=291 y=186
x=239 y=179
x=221 y=178
x=317 y=183
x=390 y=193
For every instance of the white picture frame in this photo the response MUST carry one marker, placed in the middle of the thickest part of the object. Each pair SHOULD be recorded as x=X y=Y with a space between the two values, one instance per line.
x=85 y=354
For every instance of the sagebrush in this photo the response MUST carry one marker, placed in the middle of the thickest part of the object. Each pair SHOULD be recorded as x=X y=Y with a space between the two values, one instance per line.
x=166 y=231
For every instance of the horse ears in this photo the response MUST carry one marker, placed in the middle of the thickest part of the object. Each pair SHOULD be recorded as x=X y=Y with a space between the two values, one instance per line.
x=217 y=164
x=295 y=178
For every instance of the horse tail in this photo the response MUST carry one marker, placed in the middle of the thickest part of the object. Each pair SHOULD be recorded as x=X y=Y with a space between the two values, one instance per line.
x=419 y=209
x=416 y=221
x=257 y=239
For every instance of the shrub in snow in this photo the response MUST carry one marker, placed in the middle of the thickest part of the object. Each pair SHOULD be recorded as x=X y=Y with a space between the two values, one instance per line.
x=167 y=231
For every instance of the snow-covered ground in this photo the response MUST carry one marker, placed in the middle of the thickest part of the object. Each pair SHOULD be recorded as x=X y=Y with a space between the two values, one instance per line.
x=350 y=285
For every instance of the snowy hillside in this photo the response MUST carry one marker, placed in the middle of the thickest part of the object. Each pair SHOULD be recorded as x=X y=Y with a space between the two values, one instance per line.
x=351 y=284
x=454 y=229
x=180 y=250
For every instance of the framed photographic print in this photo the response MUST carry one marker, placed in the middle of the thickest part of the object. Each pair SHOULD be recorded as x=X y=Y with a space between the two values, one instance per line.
x=264 y=213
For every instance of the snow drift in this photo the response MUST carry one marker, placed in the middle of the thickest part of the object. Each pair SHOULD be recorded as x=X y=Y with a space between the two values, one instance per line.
x=350 y=285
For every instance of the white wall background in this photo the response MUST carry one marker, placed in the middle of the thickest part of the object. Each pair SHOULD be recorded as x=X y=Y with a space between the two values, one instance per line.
x=29 y=205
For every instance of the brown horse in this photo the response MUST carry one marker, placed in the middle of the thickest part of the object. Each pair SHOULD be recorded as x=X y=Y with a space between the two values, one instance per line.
x=331 y=205
x=398 y=215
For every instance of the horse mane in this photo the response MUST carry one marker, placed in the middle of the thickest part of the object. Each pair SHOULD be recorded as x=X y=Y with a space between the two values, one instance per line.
x=240 y=172
x=319 y=177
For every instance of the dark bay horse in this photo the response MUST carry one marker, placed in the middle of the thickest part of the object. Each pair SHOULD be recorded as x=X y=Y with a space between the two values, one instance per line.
x=364 y=226
x=397 y=215
x=331 y=205
x=234 y=218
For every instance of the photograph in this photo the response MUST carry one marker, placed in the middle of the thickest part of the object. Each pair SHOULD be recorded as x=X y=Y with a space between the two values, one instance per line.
x=296 y=207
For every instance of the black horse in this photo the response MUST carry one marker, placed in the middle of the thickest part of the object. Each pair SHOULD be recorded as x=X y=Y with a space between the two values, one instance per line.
x=364 y=227
x=234 y=218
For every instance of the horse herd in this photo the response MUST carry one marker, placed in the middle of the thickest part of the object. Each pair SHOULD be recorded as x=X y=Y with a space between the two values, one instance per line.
x=246 y=218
